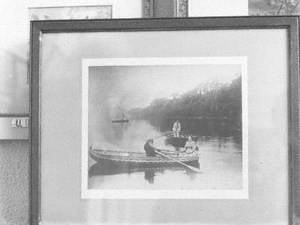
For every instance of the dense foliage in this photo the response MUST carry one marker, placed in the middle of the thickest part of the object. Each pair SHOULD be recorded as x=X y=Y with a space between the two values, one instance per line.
x=210 y=101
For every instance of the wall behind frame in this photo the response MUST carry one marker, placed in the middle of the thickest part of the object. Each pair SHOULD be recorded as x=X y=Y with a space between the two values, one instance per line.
x=14 y=39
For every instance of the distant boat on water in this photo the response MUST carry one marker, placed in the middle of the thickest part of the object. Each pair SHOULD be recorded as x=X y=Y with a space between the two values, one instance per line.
x=120 y=121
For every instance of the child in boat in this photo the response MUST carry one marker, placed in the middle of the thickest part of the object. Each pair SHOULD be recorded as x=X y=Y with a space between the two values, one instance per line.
x=149 y=148
x=190 y=145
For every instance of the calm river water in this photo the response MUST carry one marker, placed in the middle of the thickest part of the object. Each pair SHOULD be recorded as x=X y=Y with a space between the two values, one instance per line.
x=220 y=162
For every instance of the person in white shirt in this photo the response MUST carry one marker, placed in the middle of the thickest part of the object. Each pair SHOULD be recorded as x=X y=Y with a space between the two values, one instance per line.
x=176 y=128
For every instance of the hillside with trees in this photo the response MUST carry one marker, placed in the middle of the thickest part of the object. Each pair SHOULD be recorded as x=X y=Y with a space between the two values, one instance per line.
x=211 y=106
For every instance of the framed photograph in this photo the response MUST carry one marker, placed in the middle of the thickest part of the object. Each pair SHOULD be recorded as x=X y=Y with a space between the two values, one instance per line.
x=165 y=121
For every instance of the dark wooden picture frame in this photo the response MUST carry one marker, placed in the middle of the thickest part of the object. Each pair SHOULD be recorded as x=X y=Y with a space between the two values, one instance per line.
x=290 y=23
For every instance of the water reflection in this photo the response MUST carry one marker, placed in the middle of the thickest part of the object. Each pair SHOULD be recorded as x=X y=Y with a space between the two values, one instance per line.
x=106 y=169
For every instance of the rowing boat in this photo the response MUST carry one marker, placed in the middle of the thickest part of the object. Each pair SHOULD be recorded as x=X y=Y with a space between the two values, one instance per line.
x=136 y=159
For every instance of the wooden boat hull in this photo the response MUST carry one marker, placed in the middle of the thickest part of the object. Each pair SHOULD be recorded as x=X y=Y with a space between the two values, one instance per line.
x=139 y=159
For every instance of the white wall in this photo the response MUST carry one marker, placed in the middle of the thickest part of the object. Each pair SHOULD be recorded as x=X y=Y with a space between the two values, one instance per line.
x=218 y=7
x=14 y=36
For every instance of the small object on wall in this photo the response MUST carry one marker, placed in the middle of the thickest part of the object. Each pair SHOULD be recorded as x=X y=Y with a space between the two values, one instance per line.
x=14 y=127
x=19 y=123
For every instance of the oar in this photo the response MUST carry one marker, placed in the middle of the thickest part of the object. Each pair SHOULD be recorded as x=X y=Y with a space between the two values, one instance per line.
x=175 y=160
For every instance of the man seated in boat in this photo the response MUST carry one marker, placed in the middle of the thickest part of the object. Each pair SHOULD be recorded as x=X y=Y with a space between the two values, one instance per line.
x=176 y=128
x=149 y=148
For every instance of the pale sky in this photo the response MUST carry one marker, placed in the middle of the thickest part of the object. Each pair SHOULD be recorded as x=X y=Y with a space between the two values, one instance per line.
x=137 y=86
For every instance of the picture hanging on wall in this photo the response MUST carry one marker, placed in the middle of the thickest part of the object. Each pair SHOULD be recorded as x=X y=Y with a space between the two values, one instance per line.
x=164 y=121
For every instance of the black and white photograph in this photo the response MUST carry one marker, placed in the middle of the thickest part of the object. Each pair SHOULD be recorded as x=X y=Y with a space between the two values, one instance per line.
x=163 y=126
